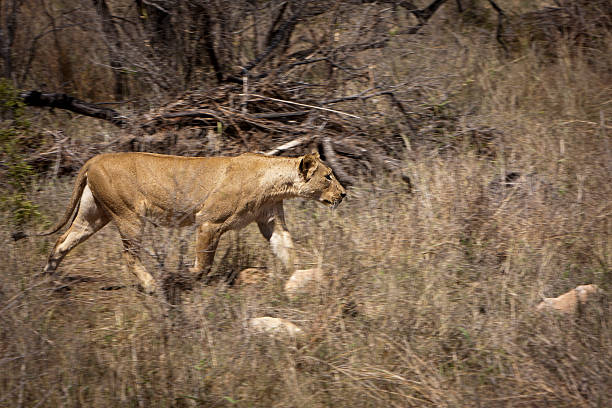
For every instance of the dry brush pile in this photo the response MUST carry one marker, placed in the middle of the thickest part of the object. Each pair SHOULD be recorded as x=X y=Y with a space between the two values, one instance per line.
x=303 y=90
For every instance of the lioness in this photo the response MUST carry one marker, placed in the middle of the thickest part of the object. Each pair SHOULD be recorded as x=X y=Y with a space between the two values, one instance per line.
x=217 y=194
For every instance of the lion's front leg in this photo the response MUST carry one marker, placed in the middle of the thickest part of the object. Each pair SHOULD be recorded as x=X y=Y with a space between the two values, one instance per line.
x=206 y=245
x=272 y=226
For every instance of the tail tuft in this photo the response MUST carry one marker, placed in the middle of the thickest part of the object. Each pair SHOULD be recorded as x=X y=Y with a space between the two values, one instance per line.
x=19 y=235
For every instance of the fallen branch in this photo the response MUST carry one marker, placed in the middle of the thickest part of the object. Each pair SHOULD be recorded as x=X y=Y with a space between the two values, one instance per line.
x=425 y=13
x=276 y=37
x=332 y=160
x=183 y=118
x=307 y=106
x=500 y=19
x=63 y=101
x=199 y=113
x=280 y=115
x=289 y=145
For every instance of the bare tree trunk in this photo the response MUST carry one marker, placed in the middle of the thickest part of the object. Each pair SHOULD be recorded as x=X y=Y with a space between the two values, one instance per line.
x=8 y=26
x=66 y=73
x=209 y=45
x=113 y=43
x=157 y=20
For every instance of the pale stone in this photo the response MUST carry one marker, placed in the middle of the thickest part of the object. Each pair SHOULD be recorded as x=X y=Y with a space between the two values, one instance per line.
x=305 y=281
x=274 y=326
x=251 y=276
x=373 y=310
x=568 y=302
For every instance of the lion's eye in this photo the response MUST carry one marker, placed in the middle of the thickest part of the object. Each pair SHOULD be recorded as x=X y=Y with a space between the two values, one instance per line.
x=328 y=176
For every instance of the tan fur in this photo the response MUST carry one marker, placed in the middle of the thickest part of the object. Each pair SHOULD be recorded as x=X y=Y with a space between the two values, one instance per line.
x=569 y=301
x=217 y=194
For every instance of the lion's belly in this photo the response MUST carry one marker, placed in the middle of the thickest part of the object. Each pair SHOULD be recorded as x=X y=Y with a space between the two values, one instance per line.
x=246 y=214
x=170 y=217
x=231 y=217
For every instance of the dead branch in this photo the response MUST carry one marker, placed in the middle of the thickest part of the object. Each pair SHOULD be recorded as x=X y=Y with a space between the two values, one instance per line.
x=209 y=44
x=424 y=14
x=281 y=115
x=288 y=99
x=63 y=101
x=273 y=27
x=307 y=106
x=332 y=160
x=276 y=38
x=500 y=19
x=199 y=113
x=289 y=145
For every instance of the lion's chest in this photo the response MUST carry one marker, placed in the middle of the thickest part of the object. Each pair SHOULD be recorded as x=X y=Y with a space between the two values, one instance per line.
x=236 y=212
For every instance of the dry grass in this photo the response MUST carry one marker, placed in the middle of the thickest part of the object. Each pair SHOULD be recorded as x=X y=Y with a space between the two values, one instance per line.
x=433 y=294
x=432 y=304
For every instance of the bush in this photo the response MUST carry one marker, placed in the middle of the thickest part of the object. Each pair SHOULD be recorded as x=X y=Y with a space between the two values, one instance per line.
x=17 y=173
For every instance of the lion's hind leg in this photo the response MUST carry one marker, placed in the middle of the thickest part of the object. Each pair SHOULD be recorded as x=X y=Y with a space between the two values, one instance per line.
x=131 y=236
x=89 y=219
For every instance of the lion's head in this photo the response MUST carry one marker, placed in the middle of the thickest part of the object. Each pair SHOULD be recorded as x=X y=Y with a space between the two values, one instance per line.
x=319 y=182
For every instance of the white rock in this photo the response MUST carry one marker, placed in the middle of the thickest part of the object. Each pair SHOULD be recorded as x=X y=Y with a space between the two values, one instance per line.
x=304 y=281
x=373 y=310
x=279 y=328
x=251 y=276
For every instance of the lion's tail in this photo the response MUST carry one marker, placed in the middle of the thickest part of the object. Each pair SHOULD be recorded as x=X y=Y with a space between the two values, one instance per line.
x=75 y=199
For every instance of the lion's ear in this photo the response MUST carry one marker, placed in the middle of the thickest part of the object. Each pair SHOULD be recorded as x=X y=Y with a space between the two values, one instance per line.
x=308 y=165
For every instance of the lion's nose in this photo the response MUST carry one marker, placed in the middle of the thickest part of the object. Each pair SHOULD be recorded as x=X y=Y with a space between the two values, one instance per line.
x=342 y=195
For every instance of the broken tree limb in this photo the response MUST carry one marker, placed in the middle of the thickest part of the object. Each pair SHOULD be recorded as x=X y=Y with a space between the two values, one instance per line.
x=277 y=20
x=424 y=14
x=280 y=115
x=332 y=160
x=198 y=113
x=289 y=145
x=182 y=118
x=307 y=106
x=283 y=32
x=230 y=118
x=209 y=45
x=500 y=20
x=64 y=101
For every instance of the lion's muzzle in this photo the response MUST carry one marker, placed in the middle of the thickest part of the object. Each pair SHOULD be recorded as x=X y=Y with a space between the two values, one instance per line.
x=333 y=202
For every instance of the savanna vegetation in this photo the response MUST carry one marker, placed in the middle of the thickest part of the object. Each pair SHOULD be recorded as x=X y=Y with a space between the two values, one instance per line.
x=474 y=140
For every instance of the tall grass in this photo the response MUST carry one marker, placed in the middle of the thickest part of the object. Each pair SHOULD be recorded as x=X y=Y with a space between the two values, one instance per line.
x=432 y=293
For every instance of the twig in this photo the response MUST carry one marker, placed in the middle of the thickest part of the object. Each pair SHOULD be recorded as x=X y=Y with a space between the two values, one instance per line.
x=231 y=120
x=289 y=145
x=280 y=115
x=58 y=157
x=500 y=18
x=245 y=93
x=197 y=113
x=308 y=106
x=276 y=38
x=359 y=95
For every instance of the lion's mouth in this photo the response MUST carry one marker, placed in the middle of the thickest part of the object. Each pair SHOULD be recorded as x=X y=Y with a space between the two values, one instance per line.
x=331 y=204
